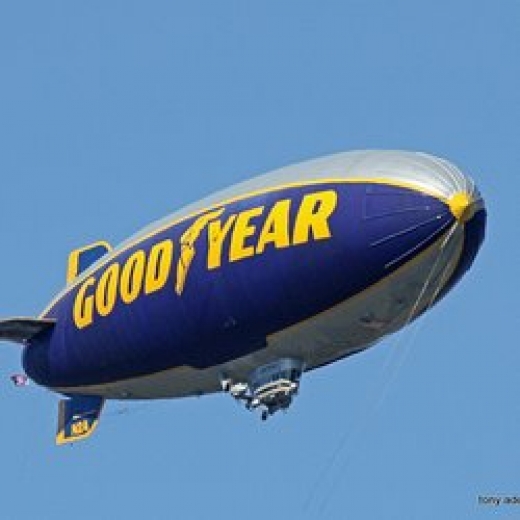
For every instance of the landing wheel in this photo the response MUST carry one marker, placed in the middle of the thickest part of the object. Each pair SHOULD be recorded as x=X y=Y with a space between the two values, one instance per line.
x=265 y=415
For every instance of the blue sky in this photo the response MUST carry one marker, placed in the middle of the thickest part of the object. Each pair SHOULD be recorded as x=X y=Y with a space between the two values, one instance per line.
x=113 y=114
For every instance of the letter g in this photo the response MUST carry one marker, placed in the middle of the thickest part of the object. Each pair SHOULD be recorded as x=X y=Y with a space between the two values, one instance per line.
x=84 y=305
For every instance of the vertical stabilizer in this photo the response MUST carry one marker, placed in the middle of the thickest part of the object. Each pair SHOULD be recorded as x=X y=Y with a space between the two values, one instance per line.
x=78 y=418
x=81 y=259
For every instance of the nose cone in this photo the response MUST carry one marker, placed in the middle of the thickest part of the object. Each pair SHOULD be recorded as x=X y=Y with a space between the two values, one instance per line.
x=462 y=206
x=468 y=210
x=443 y=183
x=429 y=175
x=470 y=214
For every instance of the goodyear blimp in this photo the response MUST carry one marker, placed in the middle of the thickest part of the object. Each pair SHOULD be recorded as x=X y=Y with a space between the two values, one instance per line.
x=247 y=289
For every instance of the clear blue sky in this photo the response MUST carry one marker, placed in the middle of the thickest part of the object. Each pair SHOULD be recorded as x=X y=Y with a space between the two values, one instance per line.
x=113 y=114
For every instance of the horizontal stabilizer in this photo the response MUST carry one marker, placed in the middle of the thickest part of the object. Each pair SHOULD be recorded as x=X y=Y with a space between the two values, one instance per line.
x=78 y=418
x=21 y=330
x=83 y=258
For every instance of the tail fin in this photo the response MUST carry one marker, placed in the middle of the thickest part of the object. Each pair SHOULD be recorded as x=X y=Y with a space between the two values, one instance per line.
x=78 y=418
x=82 y=258
x=21 y=330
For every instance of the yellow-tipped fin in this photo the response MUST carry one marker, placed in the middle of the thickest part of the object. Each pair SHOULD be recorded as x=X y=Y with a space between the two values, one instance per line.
x=78 y=417
x=82 y=258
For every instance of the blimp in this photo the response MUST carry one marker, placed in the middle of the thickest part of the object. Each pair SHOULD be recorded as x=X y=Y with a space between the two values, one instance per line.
x=248 y=289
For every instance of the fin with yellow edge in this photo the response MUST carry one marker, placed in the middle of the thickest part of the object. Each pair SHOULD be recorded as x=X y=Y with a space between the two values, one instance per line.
x=82 y=258
x=78 y=418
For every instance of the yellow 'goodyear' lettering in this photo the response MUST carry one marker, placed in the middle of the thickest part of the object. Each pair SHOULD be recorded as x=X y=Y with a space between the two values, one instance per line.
x=132 y=276
x=106 y=290
x=140 y=273
x=313 y=216
x=234 y=238
x=244 y=229
x=312 y=220
x=275 y=229
x=217 y=233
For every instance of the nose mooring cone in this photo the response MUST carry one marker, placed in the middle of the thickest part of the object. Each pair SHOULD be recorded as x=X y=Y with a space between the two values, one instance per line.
x=462 y=206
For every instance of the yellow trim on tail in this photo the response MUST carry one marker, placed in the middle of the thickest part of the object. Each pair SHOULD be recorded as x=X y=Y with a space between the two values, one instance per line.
x=73 y=263
x=76 y=423
x=62 y=439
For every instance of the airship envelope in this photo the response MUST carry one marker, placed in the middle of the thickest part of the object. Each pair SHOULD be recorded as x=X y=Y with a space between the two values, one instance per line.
x=246 y=290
